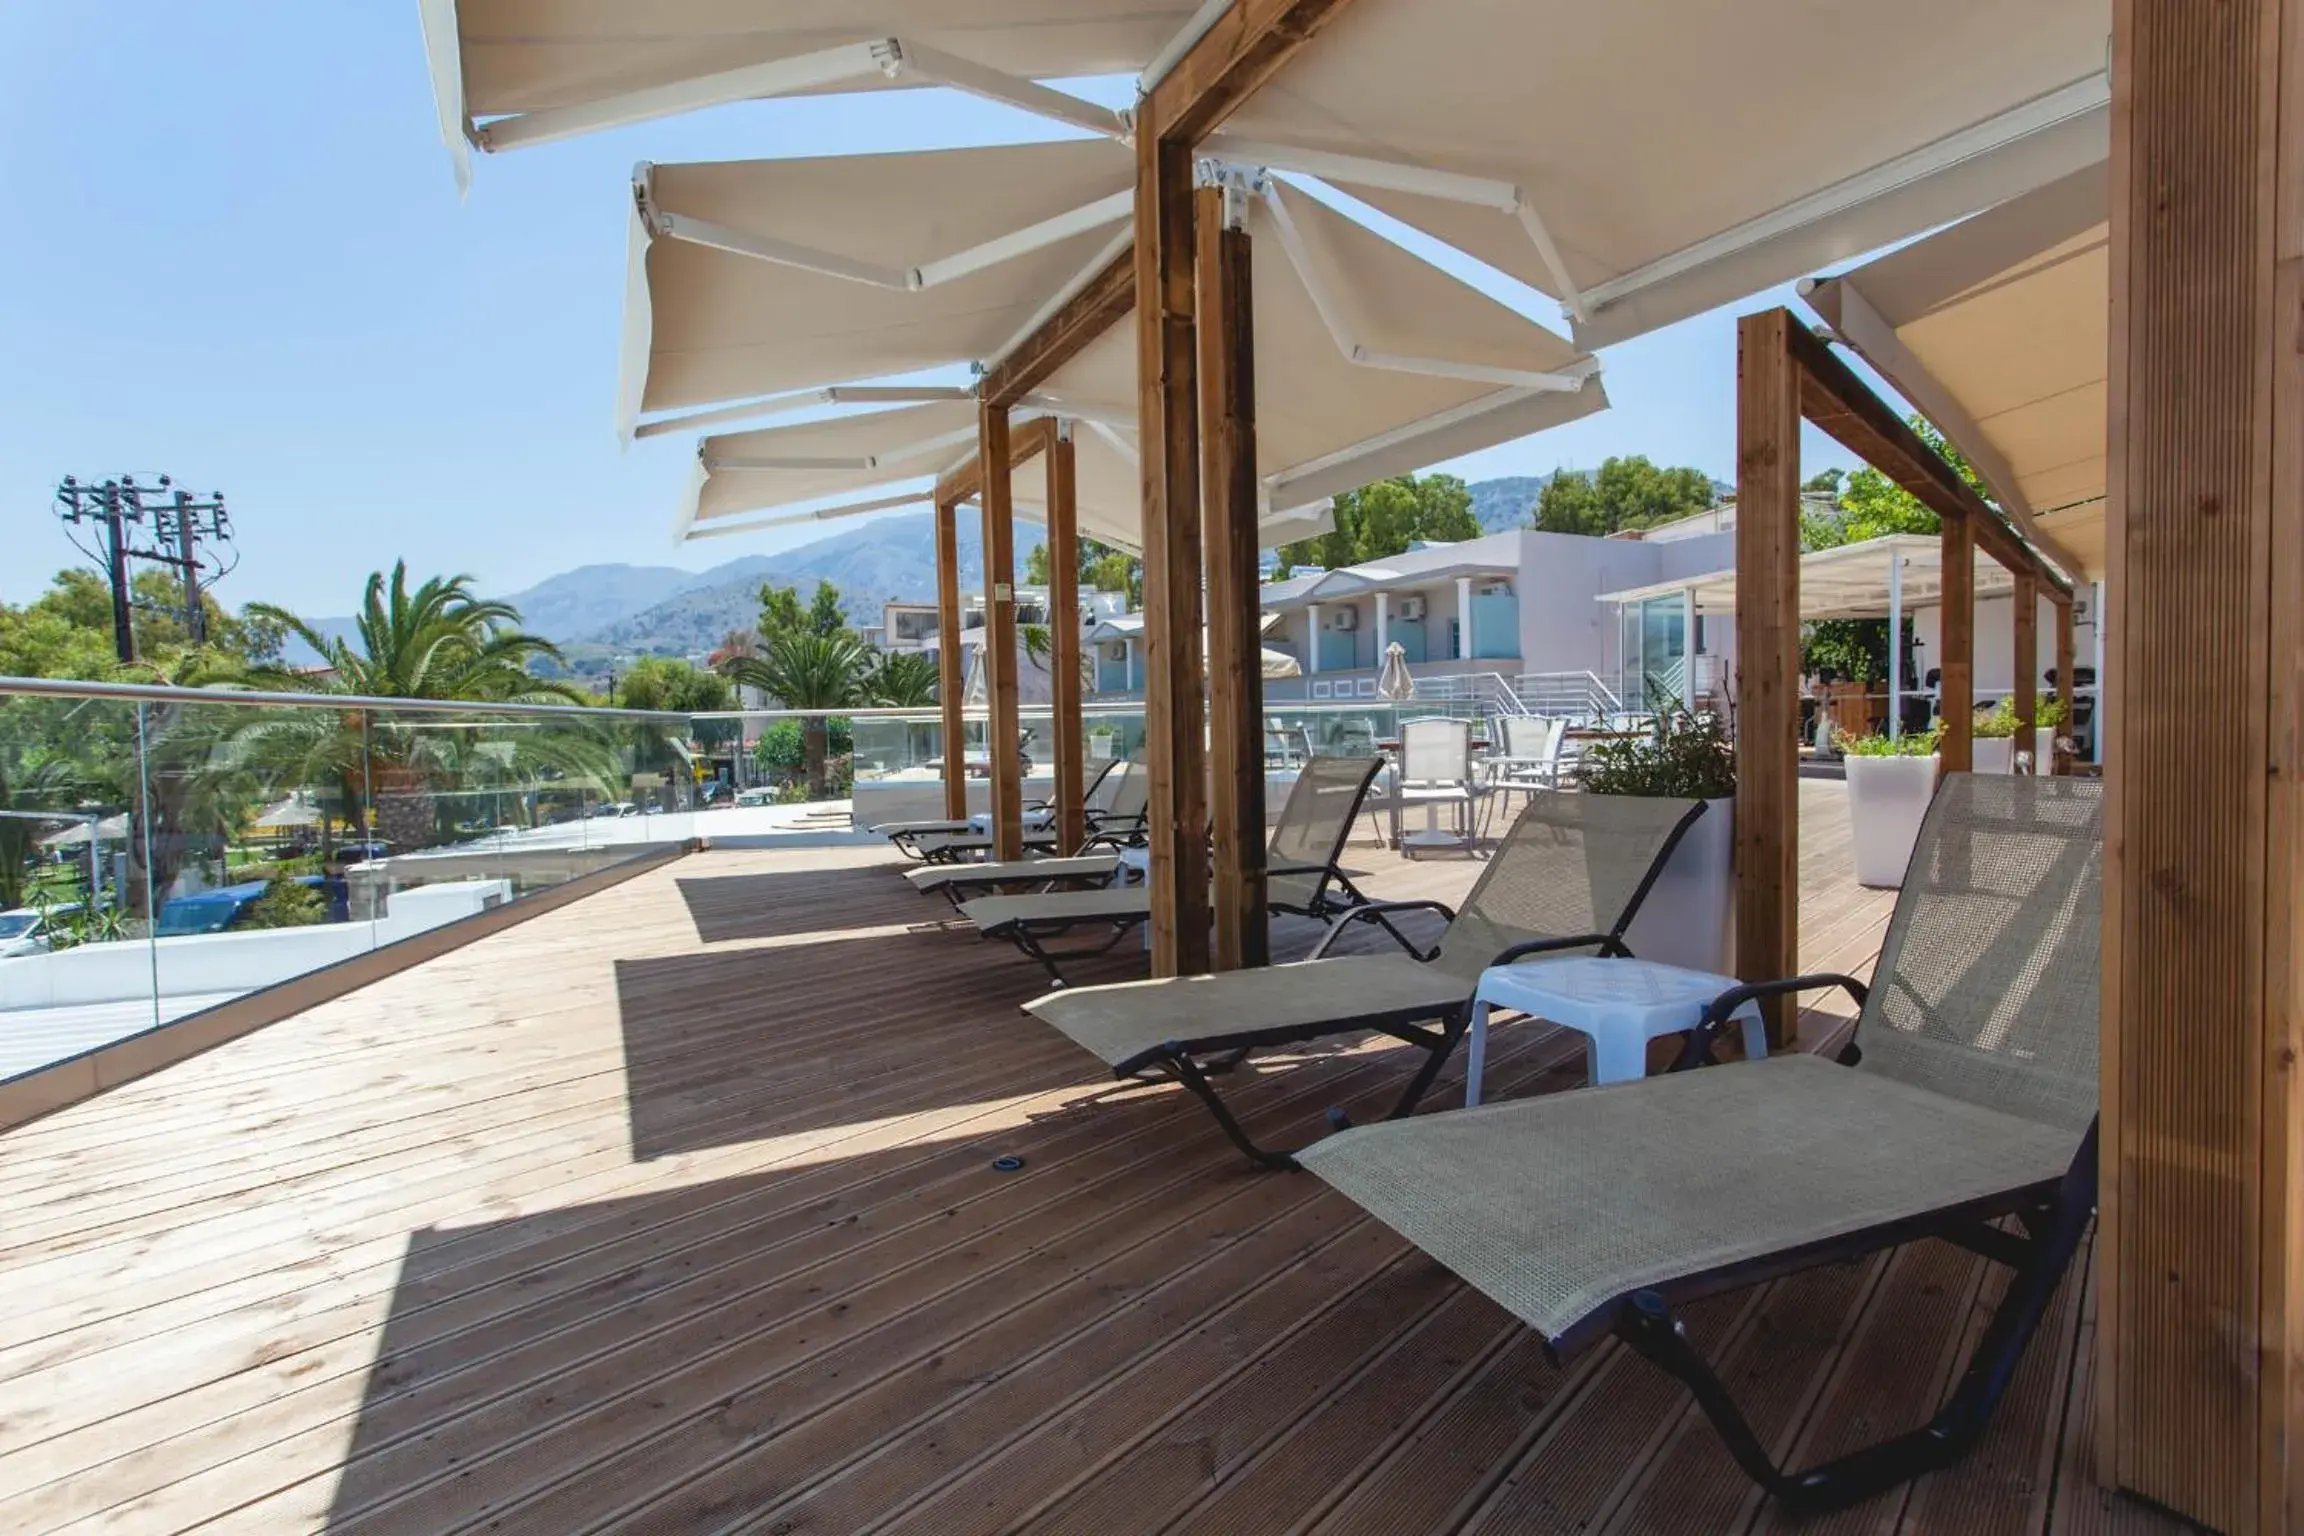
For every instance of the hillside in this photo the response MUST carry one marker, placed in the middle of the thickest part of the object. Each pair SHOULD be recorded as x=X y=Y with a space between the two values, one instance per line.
x=1505 y=503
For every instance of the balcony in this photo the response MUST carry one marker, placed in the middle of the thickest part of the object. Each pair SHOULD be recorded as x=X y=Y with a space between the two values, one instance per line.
x=674 y=1210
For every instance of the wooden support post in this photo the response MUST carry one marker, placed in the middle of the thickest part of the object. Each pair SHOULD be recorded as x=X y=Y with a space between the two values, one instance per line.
x=2065 y=660
x=1225 y=314
x=2025 y=664
x=1003 y=741
x=1066 y=743
x=1956 y=648
x=1175 y=720
x=1768 y=656
x=2201 y=1238
x=949 y=678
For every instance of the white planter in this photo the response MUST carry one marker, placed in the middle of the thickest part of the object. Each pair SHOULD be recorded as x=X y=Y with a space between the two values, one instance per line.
x=1993 y=754
x=1688 y=919
x=2044 y=751
x=1887 y=797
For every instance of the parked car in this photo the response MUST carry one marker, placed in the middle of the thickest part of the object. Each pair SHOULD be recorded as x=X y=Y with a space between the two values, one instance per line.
x=25 y=930
x=361 y=853
x=755 y=797
x=224 y=908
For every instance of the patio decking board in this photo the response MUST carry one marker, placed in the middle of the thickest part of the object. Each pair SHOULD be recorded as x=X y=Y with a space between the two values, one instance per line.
x=673 y=1211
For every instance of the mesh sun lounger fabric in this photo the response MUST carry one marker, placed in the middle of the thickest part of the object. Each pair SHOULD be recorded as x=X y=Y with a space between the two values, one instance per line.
x=1086 y=866
x=1096 y=799
x=1129 y=792
x=1133 y=1021
x=1977 y=1078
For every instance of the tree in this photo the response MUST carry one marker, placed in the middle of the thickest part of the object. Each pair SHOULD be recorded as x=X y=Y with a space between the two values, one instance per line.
x=670 y=684
x=814 y=673
x=1115 y=570
x=1036 y=570
x=1626 y=492
x=438 y=641
x=1387 y=518
x=903 y=680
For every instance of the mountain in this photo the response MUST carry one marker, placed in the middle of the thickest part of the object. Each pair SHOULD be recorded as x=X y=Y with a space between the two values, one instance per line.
x=1506 y=503
x=592 y=597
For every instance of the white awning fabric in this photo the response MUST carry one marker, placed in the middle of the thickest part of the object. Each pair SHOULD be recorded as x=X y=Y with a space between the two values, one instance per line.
x=512 y=72
x=1761 y=141
x=1997 y=329
x=1370 y=361
x=1850 y=582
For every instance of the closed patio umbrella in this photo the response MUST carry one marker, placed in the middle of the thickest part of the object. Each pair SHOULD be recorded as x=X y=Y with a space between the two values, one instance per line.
x=1394 y=685
x=1278 y=664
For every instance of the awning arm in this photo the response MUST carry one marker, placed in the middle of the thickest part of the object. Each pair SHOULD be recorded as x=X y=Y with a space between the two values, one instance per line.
x=785 y=253
x=1023 y=242
x=1392 y=176
x=715 y=530
x=776 y=405
x=887 y=58
x=884 y=459
x=1331 y=315
x=1071 y=289
x=2076 y=100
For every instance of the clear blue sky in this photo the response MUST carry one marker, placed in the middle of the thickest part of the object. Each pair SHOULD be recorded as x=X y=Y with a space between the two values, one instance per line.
x=236 y=254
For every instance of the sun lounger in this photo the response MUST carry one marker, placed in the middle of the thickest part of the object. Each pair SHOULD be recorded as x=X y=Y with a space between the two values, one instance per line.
x=1094 y=862
x=1567 y=878
x=1038 y=815
x=1968 y=1096
x=1301 y=874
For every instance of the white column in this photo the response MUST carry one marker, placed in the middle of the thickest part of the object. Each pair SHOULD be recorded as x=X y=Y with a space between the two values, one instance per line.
x=1128 y=664
x=1688 y=649
x=1312 y=640
x=1895 y=646
x=1464 y=650
x=1383 y=624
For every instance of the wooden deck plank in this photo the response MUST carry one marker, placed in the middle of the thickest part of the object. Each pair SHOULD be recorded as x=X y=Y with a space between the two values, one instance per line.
x=673 y=1212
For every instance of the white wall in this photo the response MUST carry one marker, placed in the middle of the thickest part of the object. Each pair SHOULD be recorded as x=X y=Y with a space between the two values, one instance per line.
x=211 y=963
x=1995 y=670
x=1563 y=626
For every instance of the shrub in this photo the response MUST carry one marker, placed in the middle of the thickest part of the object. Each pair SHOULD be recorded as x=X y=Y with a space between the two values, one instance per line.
x=286 y=904
x=1686 y=757
x=1912 y=744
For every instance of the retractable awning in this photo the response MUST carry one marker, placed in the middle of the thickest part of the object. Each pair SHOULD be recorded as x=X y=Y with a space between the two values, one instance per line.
x=879 y=460
x=1850 y=582
x=1767 y=140
x=1370 y=361
x=1997 y=329
x=507 y=73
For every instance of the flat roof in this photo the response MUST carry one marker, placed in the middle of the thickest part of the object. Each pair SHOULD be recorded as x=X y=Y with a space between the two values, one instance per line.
x=1847 y=582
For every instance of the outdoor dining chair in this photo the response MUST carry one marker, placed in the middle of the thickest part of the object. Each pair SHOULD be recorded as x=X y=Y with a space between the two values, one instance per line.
x=1436 y=769
x=1967 y=1097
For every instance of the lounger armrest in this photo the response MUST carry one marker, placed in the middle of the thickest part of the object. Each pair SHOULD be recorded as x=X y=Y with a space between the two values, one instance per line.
x=1721 y=1009
x=1610 y=945
x=1378 y=912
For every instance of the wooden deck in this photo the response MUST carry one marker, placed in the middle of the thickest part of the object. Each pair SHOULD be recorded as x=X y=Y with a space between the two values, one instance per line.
x=675 y=1211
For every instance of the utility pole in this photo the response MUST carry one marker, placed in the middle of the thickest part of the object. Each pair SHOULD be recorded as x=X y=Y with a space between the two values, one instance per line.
x=180 y=525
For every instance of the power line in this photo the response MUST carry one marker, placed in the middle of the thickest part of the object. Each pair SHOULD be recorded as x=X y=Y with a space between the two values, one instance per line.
x=178 y=524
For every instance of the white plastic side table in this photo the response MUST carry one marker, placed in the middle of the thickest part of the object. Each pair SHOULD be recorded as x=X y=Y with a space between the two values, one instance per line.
x=1618 y=1005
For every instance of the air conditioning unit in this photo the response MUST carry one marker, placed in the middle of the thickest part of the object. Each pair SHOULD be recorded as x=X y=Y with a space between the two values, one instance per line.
x=1496 y=589
x=1411 y=609
x=1345 y=619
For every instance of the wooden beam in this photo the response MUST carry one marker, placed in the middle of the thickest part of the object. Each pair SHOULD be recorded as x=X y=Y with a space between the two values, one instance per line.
x=1768 y=655
x=1225 y=319
x=1833 y=397
x=965 y=482
x=2066 y=659
x=2201 y=1241
x=1066 y=744
x=2025 y=664
x=1096 y=308
x=1246 y=47
x=1002 y=738
x=1175 y=732
x=1956 y=648
x=949 y=680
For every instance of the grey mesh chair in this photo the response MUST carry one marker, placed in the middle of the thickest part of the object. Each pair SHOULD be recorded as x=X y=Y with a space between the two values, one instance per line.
x=1968 y=1096
x=1096 y=861
x=1302 y=874
x=1569 y=876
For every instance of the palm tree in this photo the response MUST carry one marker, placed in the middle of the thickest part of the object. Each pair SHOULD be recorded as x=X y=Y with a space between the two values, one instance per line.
x=903 y=680
x=810 y=672
x=439 y=641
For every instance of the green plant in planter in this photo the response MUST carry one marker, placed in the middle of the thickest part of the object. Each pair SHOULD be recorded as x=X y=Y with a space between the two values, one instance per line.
x=1996 y=723
x=1916 y=744
x=1685 y=758
x=2051 y=714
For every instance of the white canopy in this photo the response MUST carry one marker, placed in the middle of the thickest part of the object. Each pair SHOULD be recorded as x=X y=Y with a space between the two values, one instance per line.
x=877 y=460
x=1850 y=582
x=1369 y=361
x=506 y=73
x=1724 y=148
x=1997 y=329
